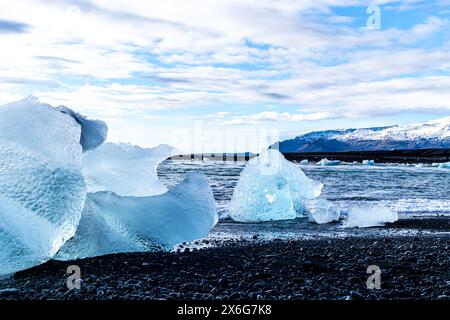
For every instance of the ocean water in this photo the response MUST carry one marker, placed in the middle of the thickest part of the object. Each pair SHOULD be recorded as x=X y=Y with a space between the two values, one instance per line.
x=409 y=190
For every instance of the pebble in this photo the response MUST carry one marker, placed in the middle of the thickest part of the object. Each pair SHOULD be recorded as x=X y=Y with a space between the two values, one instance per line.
x=304 y=269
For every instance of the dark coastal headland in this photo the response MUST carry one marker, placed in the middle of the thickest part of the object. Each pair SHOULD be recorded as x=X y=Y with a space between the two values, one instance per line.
x=390 y=156
x=428 y=156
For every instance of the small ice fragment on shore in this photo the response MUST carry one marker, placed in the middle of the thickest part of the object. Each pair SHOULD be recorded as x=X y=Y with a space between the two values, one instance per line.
x=368 y=162
x=326 y=162
x=42 y=190
x=93 y=132
x=271 y=188
x=445 y=165
x=369 y=216
x=112 y=223
x=322 y=211
x=125 y=169
x=305 y=161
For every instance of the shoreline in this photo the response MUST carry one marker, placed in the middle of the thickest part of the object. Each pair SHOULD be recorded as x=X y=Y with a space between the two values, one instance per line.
x=413 y=156
x=412 y=267
x=380 y=156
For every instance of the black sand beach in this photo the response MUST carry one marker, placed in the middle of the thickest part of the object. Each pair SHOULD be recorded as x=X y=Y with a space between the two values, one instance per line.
x=412 y=267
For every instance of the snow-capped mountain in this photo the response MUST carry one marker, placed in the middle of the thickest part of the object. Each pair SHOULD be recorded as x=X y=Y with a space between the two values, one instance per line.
x=425 y=135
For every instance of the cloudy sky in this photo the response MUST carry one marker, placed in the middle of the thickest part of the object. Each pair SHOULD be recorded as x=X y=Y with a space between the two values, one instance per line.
x=230 y=75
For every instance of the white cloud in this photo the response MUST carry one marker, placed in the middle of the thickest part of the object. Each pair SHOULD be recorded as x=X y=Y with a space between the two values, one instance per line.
x=276 y=116
x=126 y=60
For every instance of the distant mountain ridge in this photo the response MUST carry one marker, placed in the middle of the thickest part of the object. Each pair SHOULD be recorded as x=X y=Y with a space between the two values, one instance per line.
x=433 y=134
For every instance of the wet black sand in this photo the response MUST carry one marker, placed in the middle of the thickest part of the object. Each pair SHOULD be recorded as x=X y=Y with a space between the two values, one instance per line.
x=412 y=267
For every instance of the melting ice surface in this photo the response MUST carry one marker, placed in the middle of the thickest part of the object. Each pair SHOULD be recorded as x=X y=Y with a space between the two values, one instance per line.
x=112 y=223
x=271 y=188
x=42 y=190
x=369 y=216
x=125 y=169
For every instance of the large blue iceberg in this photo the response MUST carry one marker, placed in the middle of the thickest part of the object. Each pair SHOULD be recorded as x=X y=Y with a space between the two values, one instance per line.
x=112 y=223
x=129 y=209
x=42 y=190
x=46 y=156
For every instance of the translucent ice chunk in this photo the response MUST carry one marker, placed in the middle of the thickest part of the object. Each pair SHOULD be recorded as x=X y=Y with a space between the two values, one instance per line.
x=368 y=162
x=42 y=190
x=304 y=161
x=368 y=216
x=322 y=211
x=125 y=169
x=112 y=223
x=271 y=188
x=326 y=162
